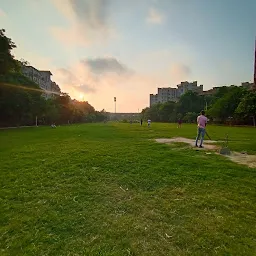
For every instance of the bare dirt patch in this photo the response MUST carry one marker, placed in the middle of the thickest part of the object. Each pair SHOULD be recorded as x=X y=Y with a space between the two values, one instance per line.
x=208 y=144
x=249 y=160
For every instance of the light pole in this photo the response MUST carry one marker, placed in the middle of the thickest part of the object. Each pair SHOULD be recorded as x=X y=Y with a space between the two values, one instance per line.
x=115 y=104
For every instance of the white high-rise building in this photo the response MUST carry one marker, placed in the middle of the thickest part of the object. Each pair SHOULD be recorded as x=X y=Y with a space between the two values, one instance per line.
x=173 y=94
x=43 y=79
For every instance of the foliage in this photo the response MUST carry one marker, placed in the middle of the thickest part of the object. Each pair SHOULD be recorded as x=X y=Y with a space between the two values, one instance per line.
x=247 y=106
x=7 y=61
x=226 y=105
x=171 y=111
x=21 y=100
x=222 y=107
x=190 y=117
x=190 y=102
x=18 y=103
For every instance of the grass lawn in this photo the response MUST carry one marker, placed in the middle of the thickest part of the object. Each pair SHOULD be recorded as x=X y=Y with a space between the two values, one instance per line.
x=106 y=189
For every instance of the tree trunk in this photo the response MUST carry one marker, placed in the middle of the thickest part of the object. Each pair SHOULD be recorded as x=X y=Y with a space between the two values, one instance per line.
x=253 y=120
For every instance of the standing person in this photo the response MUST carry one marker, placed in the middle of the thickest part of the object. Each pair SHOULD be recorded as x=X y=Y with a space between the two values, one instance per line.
x=149 y=122
x=141 y=122
x=179 y=123
x=201 y=124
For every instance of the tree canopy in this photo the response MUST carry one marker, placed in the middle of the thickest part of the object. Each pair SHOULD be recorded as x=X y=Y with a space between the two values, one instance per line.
x=228 y=103
x=22 y=101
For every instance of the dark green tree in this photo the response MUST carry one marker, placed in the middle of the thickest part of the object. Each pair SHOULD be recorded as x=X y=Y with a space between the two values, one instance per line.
x=247 y=107
x=190 y=102
x=225 y=106
x=7 y=61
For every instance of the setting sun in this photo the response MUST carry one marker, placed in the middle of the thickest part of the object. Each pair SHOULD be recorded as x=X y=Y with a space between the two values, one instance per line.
x=81 y=96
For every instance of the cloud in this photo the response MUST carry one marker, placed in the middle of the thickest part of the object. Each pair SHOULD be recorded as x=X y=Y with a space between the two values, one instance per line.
x=155 y=16
x=91 y=13
x=101 y=79
x=74 y=82
x=88 y=22
x=88 y=75
x=106 y=65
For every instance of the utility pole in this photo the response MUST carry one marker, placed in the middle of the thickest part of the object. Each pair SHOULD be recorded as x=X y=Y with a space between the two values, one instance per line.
x=115 y=104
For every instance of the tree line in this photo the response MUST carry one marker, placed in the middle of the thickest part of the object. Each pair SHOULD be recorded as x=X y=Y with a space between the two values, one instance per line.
x=22 y=101
x=228 y=105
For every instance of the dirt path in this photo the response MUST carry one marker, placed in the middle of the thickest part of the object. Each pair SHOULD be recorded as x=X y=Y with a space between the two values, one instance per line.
x=249 y=160
x=207 y=143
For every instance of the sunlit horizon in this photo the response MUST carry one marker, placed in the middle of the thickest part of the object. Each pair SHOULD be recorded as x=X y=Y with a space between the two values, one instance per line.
x=120 y=49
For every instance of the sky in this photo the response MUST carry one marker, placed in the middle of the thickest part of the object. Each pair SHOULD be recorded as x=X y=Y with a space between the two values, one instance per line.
x=101 y=49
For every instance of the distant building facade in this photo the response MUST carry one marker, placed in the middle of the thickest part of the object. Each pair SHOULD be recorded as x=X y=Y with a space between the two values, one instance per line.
x=247 y=85
x=172 y=94
x=184 y=87
x=43 y=79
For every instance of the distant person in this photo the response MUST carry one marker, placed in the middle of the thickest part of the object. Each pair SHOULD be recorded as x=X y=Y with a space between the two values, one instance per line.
x=201 y=124
x=149 y=122
x=141 y=122
x=179 y=123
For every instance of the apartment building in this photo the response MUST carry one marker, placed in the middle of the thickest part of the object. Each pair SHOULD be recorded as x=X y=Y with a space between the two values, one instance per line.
x=173 y=94
x=183 y=87
x=43 y=79
x=247 y=85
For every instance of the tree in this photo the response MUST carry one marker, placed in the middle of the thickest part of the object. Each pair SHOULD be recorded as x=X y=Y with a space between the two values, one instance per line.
x=190 y=117
x=247 y=106
x=19 y=99
x=7 y=61
x=225 y=106
x=190 y=102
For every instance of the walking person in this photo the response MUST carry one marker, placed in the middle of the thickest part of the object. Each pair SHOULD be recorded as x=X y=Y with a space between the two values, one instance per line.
x=141 y=122
x=149 y=122
x=179 y=123
x=201 y=124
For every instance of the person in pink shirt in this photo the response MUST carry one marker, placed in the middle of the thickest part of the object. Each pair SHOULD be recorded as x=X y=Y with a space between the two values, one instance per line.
x=201 y=124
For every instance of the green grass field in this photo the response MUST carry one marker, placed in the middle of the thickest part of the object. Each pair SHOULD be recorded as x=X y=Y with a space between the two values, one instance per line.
x=106 y=189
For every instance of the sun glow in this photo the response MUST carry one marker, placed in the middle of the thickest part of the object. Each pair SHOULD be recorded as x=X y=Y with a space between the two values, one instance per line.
x=81 y=96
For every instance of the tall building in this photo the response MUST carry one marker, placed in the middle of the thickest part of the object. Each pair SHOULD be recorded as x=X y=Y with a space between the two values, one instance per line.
x=247 y=85
x=173 y=94
x=43 y=79
x=183 y=87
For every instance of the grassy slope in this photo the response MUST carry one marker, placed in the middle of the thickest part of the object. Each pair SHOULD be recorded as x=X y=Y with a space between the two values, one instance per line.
x=108 y=190
x=18 y=79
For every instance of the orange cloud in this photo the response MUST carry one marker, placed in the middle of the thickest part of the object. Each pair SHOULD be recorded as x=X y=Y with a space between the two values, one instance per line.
x=131 y=89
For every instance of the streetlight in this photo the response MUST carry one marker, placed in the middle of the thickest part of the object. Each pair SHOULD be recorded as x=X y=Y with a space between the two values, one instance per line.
x=115 y=104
